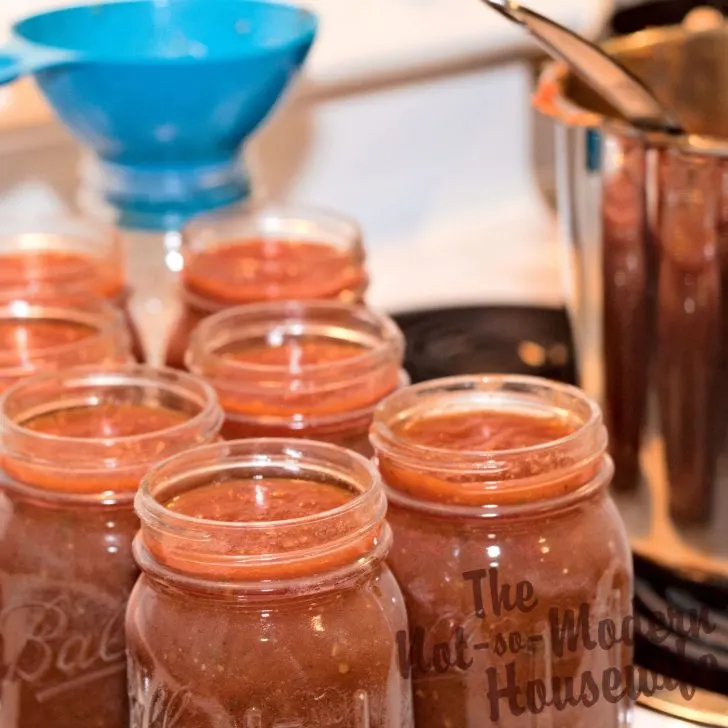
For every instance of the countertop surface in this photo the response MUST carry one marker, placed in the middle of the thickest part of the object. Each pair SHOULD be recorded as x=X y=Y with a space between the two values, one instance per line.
x=517 y=260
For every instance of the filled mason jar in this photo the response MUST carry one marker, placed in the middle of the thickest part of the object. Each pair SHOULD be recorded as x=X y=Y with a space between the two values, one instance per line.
x=257 y=253
x=512 y=557
x=45 y=331
x=75 y=445
x=68 y=255
x=265 y=598
x=310 y=369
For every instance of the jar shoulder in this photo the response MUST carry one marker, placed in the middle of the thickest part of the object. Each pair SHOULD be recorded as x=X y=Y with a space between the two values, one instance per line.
x=374 y=606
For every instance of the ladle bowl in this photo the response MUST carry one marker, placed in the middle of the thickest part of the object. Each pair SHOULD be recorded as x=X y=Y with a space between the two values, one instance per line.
x=163 y=93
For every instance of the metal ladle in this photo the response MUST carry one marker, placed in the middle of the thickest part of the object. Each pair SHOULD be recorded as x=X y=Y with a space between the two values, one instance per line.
x=617 y=85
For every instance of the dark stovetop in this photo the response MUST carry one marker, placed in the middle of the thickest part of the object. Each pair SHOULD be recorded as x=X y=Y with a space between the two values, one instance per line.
x=538 y=341
x=506 y=339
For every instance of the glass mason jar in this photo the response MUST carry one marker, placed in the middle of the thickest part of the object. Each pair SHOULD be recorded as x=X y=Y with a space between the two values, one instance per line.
x=264 y=598
x=513 y=559
x=311 y=369
x=255 y=253
x=75 y=445
x=70 y=255
x=40 y=332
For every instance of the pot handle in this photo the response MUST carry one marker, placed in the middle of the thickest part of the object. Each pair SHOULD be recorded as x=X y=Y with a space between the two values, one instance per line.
x=22 y=59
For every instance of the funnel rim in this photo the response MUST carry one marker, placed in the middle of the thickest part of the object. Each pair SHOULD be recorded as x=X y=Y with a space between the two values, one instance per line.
x=295 y=40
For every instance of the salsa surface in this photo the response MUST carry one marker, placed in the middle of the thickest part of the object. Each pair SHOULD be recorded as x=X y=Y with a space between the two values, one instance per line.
x=23 y=336
x=293 y=352
x=59 y=267
x=483 y=430
x=110 y=419
x=269 y=499
x=264 y=269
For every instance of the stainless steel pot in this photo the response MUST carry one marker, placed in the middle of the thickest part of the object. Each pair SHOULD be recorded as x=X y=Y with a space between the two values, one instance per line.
x=644 y=221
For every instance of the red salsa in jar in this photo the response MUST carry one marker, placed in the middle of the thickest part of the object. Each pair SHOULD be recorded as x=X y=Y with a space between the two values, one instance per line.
x=25 y=336
x=68 y=256
x=510 y=553
x=311 y=369
x=75 y=446
x=255 y=255
x=264 y=596
x=46 y=332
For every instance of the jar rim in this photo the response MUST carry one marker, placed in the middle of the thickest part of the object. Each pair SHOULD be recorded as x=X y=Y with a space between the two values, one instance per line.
x=486 y=483
x=359 y=418
x=263 y=211
x=383 y=435
x=389 y=338
x=47 y=303
x=601 y=478
x=232 y=450
x=91 y=239
x=261 y=553
x=336 y=270
x=132 y=374
x=62 y=226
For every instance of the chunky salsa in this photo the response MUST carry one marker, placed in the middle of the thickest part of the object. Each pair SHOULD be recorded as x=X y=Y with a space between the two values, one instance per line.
x=266 y=269
x=244 y=501
x=504 y=532
x=306 y=369
x=26 y=336
x=68 y=271
x=248 y=271
x=285 y=613
x=73 y=456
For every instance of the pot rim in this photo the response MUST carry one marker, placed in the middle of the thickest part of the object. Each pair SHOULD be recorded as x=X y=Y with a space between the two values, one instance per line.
x=550 y=100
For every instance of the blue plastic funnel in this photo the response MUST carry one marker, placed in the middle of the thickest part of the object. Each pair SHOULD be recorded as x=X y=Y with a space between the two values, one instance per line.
x=164 y=92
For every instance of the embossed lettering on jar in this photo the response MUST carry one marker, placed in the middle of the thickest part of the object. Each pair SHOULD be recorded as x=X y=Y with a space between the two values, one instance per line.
x=309 y=369
x=506 y=545
x=265 y=599
x=258 y=253
x=75 y=446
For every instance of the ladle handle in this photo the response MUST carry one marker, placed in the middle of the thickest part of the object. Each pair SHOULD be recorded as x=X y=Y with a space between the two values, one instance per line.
x=23 y=59
x=624 y=91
